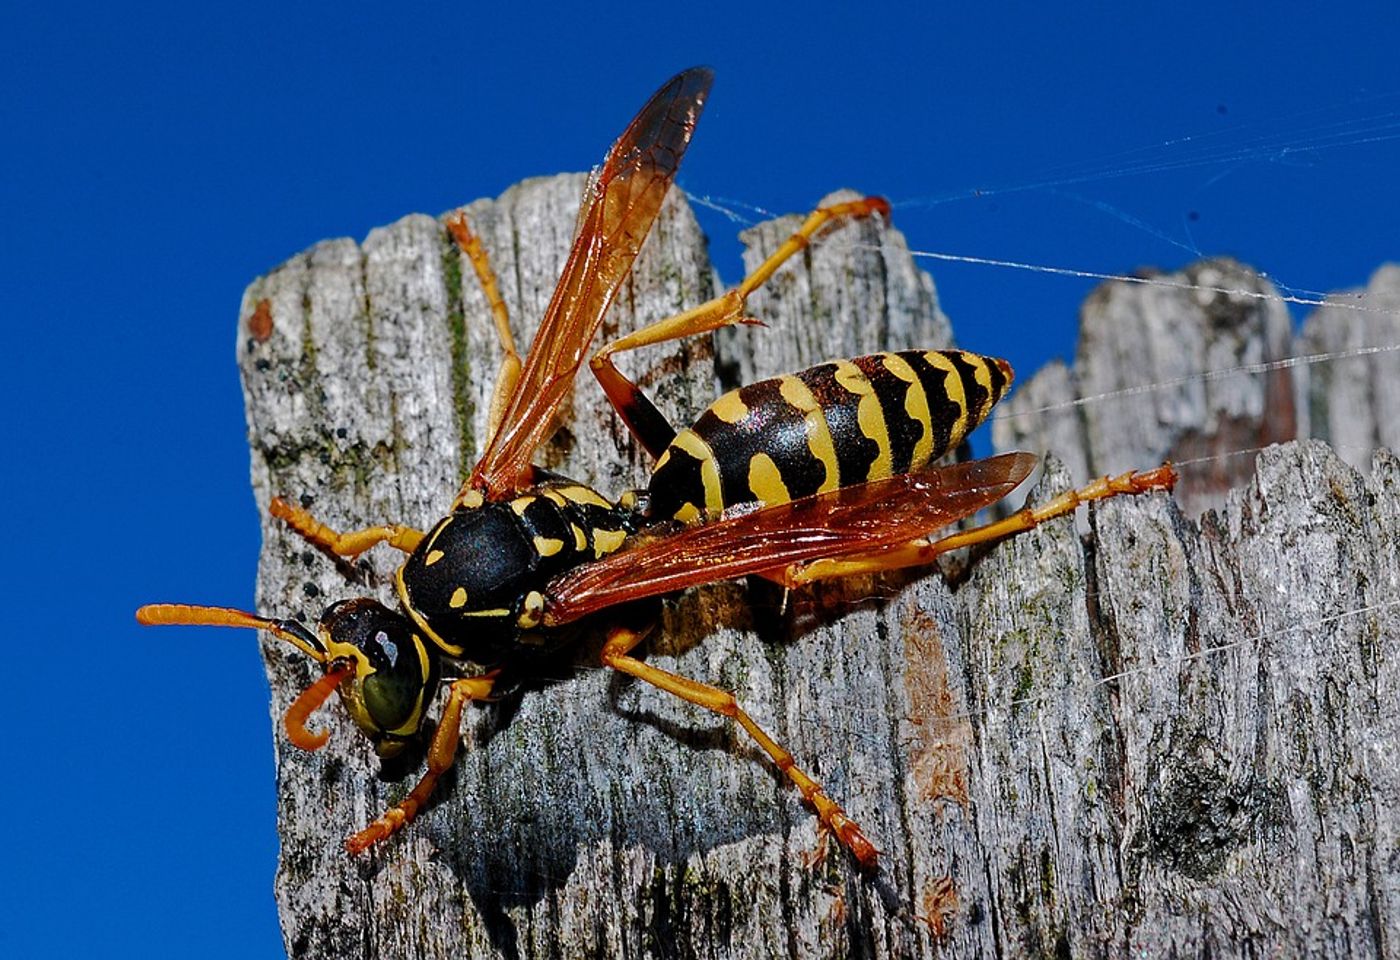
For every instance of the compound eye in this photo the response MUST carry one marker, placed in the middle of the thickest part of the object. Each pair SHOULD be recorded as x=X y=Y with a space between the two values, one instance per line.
x=394 y=692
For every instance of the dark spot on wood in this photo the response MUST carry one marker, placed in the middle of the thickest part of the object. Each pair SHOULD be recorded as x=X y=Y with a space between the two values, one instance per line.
x=1197 y=817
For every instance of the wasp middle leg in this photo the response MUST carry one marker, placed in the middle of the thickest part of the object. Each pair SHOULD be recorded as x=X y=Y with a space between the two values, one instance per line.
x=616 y=654
x=641 y=416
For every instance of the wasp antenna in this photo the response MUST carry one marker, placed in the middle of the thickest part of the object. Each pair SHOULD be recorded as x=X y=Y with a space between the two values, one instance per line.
x=188 y=614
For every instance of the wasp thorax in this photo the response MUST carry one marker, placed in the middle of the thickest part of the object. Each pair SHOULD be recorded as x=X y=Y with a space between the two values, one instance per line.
x=395 y=673
x=474 y=586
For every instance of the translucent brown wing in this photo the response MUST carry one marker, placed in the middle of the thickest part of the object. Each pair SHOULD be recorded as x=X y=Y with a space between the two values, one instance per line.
x=846 y=522
x=619 y=207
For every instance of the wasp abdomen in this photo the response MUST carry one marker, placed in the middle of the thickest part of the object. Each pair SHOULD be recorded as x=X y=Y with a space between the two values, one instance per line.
x=832 y=425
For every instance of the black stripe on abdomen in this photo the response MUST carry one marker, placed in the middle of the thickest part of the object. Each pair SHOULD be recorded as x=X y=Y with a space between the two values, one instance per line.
x=676 y=482
x=771 y=427
x=855 y=451
x=905 y=430
x=946 y=415
x=978 y=397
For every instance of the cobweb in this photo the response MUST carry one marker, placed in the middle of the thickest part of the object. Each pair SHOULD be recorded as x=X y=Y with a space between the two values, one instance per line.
x=1304 y=199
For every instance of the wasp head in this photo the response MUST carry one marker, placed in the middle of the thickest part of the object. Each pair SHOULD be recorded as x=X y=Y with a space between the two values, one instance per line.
x=391 y=673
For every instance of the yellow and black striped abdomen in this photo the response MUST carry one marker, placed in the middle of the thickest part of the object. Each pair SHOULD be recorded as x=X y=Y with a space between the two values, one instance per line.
x=833 y=425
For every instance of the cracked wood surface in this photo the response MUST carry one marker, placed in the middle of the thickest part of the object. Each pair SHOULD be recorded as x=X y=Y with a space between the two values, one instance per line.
x=1241 y=802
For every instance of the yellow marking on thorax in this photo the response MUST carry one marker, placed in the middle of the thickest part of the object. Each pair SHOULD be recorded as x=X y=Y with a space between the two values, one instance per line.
x=554 y=497
x=417 y=618
x=581 y=494
x=414 y=719
x=795 y=392
x=469 y=500
x=580 y=538
x=952 y=386
x=766 y=481
x=689 y=441
x=435 y=533
x=521 y=504
x=451 y=649
x=915 y=405
x=688 y=513
x=730 y=408
x=531 y=610
x=870 y=418
x=548 y=546
x=607 y=541
x=459 y=598
x=433 y=557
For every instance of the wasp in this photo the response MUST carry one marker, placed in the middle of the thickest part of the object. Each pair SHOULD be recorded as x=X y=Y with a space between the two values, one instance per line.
x=828 y=472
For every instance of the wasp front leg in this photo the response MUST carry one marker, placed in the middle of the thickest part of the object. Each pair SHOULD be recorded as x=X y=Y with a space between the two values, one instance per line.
x=442 y=753
x=348 y=545
x=616 y=654
x=641 y=416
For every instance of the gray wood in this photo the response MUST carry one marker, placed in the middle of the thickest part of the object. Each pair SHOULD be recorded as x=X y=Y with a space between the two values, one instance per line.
x=1136 y=393
x=1352 y=402
x=1241 y=802
x=1144 y=345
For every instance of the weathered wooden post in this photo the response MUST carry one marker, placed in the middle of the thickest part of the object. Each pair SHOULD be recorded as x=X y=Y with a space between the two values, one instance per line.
x=1235 y=789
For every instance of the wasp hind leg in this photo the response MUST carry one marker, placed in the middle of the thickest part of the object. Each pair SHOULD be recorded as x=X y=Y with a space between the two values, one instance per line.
x=442 y=753
x=348 y=545
x=923 y=551
x=509 y=373
x=616 y=654
x=641 y=416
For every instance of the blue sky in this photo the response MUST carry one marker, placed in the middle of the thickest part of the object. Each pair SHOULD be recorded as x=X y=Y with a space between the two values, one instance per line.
x=155 y=159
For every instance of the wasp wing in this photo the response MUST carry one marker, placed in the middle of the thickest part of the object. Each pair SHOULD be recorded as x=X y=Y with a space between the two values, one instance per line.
x=846 y=522
x=620 y=205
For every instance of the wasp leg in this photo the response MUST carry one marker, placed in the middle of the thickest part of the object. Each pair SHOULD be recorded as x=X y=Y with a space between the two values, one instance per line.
x=348 y=545
x=646 y=423
x=620 y=642
x=922 y=551
x=442 y=753
x=510 y=364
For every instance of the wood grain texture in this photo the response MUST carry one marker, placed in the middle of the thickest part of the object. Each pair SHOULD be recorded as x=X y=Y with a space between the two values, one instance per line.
x=1241 y=801
x=1141 y=347
x=1354 y=403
